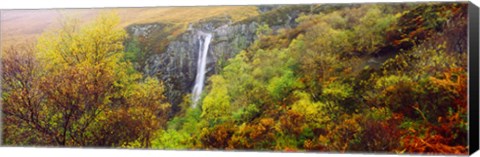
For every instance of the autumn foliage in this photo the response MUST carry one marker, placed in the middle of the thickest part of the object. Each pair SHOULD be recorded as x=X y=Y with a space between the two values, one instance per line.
x=73 y=89
x=388 y=78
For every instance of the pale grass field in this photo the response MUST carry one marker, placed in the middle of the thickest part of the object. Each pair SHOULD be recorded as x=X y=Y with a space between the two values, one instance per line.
x=26 y=25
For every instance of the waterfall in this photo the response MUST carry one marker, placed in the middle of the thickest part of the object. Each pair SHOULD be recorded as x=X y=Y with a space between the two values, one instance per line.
x=204 y=40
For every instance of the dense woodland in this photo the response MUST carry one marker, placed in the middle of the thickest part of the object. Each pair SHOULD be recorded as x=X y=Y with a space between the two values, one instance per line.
x=365 y=78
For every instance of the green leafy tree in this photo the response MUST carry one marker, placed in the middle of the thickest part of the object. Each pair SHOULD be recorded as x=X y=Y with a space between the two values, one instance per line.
x=216 y=105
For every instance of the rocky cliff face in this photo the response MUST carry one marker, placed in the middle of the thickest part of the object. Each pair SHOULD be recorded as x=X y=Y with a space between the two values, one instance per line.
x=177 y=65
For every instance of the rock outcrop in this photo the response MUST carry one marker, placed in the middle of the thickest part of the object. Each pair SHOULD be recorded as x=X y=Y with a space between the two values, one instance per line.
x=176 y=66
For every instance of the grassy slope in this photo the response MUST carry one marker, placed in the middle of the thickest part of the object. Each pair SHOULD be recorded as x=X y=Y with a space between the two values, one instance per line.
x=19 y=25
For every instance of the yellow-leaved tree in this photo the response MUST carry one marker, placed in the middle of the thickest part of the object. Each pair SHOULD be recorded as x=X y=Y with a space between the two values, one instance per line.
x=91 y=96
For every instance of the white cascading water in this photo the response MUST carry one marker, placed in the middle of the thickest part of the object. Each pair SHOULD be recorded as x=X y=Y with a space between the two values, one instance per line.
x=201 y=66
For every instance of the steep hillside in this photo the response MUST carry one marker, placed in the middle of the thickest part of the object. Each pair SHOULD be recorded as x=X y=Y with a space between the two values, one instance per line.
x=386 y=77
